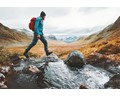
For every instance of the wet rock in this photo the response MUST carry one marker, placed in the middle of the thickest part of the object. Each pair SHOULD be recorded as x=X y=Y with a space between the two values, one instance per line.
x=114 y=69
x=83 y=87
x=31 y=77
x=15 y=59
x=11 y=65
x=5 y=69
x=50 y=58
x=100 y=60
x=108 y=61
x=75 y=59
x=2 y=77
x=2 y=81
x=31 y=69
x=2 y=85
x=23 y=81
x=114 y=82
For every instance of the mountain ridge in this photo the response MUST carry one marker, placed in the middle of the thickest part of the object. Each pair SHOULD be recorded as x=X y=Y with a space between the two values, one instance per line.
x=8 y=35
x=103 y=48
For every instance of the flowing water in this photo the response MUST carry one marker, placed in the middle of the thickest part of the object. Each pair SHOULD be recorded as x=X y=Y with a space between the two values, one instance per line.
x=58 y=75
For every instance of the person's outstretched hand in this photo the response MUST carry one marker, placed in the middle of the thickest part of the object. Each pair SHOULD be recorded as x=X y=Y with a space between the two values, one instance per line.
x=38 y=36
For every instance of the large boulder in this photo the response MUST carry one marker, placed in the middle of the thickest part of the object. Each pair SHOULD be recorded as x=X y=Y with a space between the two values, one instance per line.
x=114 y=82
x=75 y=59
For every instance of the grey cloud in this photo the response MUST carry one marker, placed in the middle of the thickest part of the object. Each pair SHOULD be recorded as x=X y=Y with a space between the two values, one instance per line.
x=24 y=12
x=79 y=31
x=88 y=10
x=19 y=16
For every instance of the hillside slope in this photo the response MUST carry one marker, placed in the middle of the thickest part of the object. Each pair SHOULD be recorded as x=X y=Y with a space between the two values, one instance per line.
x=104 y=47
x=8 y=36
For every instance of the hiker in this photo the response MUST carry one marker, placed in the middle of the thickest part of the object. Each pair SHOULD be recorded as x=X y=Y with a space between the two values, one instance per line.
x=38 y=34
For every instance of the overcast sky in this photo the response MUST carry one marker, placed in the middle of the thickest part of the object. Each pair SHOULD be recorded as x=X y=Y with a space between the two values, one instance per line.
x=61 y=20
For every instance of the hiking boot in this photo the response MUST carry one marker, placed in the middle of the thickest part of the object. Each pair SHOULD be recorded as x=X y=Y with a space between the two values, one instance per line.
x=26 y=54
x=48 y=53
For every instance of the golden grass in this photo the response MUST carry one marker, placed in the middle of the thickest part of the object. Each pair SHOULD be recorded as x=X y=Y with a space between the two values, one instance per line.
x=59 y=48
x=108 y=47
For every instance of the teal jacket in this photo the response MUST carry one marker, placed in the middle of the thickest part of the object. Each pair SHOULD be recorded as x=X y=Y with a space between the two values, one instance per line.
x=38 y=26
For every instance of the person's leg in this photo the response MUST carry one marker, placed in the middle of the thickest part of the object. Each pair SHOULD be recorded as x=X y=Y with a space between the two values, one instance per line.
x=33 y=43
x=44 y=41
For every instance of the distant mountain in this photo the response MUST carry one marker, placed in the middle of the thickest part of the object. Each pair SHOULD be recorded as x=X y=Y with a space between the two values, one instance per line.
x=51 y=37
x=24 y=31
x=10 y=35
x=70 y=39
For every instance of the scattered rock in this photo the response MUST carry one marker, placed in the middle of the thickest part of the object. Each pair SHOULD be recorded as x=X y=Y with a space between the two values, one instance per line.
x=75 y=59
x=83 y=87
x=2 y=82
x=114 y=82
x=2 y=77
x=2 y=85
x=5 y=69
x=108 y=61
x=50 y=58
x=114 y=70
x=11 y=65
x=15 y=59
x=31 y=69
x=100 y=60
